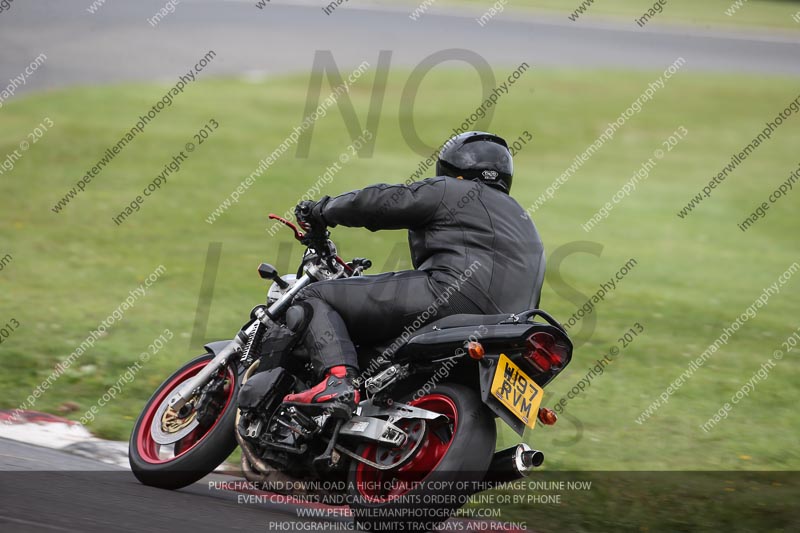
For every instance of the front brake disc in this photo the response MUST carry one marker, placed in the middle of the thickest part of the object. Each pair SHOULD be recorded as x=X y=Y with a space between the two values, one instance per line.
x=168 y=428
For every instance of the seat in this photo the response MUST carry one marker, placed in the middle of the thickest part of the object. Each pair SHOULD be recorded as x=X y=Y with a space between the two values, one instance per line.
x=456 y=321
x=391 y=346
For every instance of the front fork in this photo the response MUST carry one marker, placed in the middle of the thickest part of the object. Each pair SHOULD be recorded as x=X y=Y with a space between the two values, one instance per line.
x=189 y=388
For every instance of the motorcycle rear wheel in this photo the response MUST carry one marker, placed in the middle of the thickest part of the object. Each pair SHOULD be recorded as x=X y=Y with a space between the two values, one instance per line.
x=195 y=450
x=425 y=491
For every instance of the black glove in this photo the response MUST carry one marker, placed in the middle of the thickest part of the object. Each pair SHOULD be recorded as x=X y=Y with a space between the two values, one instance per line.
x=302 y=213
x=309 y=214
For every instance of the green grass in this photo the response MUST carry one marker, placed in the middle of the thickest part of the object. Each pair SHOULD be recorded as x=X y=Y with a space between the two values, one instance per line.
x=70 y=270
x=766 y=13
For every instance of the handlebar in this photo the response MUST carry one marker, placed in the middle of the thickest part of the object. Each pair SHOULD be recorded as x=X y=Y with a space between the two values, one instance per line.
x=313 y=238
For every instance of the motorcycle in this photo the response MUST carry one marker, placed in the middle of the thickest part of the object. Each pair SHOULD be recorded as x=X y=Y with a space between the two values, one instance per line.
x=419 y=443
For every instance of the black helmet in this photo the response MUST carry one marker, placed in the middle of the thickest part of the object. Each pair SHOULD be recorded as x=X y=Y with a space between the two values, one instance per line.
x=477 y=155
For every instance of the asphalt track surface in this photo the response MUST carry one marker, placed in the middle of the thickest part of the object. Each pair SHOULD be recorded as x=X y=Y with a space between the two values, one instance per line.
x=45 y=490
x=117 y=44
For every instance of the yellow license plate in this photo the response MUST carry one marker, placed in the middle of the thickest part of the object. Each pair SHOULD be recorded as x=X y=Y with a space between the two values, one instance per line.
x=514 y=389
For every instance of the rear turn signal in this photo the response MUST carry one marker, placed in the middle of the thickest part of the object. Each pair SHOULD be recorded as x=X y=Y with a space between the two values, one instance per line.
x=543 y=352
x=475 y=350
x=547 y=416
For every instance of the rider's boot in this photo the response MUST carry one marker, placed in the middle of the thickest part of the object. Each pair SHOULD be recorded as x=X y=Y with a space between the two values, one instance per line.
x=336 y=391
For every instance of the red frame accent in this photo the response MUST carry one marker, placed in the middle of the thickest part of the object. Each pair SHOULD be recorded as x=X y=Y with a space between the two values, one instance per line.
x=147 y=447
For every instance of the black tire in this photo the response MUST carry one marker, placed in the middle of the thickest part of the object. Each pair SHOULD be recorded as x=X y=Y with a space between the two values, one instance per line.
x=442 y=490
x=208 y=450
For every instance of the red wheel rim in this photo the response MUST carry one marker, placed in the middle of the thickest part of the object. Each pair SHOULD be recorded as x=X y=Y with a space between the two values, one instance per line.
x=379 y=486
x=148 y=448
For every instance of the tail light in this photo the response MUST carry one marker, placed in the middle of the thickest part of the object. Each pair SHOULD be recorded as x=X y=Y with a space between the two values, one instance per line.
x=544 y=353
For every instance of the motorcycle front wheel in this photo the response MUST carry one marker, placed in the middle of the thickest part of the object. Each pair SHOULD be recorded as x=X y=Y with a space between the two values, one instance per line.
x=438 y=465
x=171 y=452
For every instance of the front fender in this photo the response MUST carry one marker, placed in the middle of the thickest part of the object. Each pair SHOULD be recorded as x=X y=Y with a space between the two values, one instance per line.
x=216 y=346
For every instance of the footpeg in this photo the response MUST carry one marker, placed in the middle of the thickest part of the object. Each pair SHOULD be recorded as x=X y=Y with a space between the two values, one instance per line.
x=336 y=410
x=329 y=458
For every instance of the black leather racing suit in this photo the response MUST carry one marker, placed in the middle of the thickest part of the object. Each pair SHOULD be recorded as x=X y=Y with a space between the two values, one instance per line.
x=474 y=250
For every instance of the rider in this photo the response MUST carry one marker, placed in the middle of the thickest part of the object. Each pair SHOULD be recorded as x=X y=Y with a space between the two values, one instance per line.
x=473 y=247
